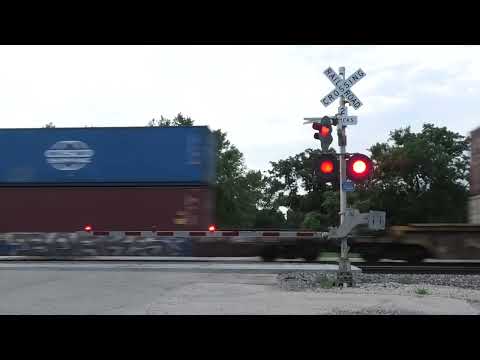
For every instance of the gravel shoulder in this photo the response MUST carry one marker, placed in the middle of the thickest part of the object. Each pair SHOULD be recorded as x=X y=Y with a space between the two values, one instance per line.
x=310 y=293
x=426 y=294
x=219 y=299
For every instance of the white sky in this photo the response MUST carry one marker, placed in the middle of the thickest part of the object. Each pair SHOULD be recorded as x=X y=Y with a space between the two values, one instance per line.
x=258 y=94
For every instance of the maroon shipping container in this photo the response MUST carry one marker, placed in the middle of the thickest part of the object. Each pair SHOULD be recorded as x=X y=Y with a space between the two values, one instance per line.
x=475 y=163
x=59 y=209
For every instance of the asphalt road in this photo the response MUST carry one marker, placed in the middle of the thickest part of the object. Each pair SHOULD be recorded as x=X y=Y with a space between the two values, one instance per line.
x=96 y=292
x=29 y=287
x=90 y=288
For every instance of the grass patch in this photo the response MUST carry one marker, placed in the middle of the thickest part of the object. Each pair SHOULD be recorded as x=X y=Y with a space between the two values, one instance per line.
x=326 y=283
x=422 y=291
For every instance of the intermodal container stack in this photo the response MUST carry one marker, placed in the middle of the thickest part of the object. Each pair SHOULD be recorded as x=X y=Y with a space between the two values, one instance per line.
x=131 y=178
x=474 y=200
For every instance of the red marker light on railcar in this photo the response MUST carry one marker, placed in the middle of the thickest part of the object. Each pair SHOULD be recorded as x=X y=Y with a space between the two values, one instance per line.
x=212 y=228
x=88 y=228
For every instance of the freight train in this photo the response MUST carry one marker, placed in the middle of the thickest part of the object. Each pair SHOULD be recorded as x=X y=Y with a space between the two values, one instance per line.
x=63 y=190
x=150 y=191
x=120 y=191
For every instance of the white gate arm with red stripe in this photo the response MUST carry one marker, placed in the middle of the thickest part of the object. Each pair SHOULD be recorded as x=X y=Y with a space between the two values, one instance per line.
x=248 y=235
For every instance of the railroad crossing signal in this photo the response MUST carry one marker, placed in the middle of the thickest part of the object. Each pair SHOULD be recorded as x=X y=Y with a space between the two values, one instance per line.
x=326 y=168
x=359 y=167
x=343 y=87
x=324 y=134
x=348 y=169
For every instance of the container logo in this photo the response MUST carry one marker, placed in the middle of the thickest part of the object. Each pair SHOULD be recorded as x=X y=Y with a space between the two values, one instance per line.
x=69 y=155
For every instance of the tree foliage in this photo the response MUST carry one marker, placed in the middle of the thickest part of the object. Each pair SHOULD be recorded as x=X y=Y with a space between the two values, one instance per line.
x=419 y=177
x=178 y=120
x=291 y=184
x=238 y=191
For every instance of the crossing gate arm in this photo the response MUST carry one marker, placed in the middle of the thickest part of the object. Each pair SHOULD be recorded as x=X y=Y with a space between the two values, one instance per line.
x=353 y=218
x=228 y=234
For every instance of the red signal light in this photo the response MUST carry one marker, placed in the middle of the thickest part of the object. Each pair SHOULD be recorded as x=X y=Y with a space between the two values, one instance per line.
x=88 y=228
x=359 y=167
x=326 y=167
x=212 y=228
x=325 y=131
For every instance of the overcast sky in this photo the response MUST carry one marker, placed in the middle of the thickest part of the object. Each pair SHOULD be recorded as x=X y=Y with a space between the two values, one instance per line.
x=258 y=94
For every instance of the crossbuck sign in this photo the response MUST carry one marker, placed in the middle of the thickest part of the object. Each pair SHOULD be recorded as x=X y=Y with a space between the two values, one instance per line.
x=343 y=87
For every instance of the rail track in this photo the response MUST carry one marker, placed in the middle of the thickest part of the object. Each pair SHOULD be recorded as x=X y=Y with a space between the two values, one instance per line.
x=421 y=268
x=430 y=267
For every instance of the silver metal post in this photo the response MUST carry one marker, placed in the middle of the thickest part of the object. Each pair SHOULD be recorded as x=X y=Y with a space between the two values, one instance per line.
x=344 y=276
x=343 y=194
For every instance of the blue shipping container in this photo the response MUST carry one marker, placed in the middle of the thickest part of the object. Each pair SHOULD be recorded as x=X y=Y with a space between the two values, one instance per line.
x=107 y=156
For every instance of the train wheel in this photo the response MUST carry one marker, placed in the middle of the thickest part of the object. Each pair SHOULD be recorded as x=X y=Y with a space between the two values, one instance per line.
x=310 y=256
x=416 y=255
x=371 y=258
x=417 y=259
x=269 y=254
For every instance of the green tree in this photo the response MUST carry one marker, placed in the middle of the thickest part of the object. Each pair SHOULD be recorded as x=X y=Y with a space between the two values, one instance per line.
x=419 y=177
x=269 y=219
x=291 y=184
x=314 y=220
x=178 y=120
x=239 y=190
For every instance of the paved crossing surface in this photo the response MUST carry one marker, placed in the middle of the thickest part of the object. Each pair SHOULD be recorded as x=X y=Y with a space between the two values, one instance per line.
x=29 y=287
x=162 y=266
